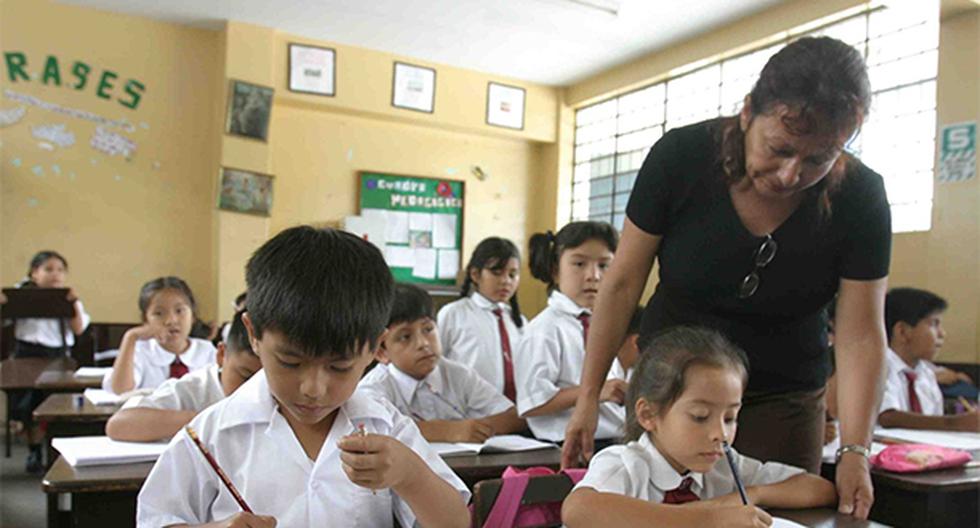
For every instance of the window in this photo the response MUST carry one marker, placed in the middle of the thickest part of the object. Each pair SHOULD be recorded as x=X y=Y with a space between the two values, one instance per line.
x=900 y=45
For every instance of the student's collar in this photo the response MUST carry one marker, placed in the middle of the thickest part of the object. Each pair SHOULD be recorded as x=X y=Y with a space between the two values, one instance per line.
x=663 y=476
x=407 y=385
x=193 y=357
x=564 y=304
x=895 y=362
x=486 y=304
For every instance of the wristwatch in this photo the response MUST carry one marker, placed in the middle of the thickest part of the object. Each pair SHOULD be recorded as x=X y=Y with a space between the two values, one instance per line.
x=852 y=448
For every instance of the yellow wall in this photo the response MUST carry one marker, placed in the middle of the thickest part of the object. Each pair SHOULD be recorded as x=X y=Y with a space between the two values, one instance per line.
x=118 y=222
x=946 y=259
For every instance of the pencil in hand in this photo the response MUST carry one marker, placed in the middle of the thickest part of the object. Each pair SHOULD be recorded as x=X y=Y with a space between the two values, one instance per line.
x=966 y=405
x=221 y=474
x=738 y=479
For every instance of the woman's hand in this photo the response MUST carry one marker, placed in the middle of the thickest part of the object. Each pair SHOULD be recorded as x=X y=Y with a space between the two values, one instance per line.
x=854 y=486
x=580 y=432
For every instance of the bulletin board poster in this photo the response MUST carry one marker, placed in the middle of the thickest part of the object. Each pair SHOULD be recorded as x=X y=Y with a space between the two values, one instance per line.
x=420 y=220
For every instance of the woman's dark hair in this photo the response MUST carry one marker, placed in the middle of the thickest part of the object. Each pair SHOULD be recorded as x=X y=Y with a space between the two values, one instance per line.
x=159 y=284
x=824 y=84
x=659 y=377
x=39 y=259
x=493 y=254
x=546 y=248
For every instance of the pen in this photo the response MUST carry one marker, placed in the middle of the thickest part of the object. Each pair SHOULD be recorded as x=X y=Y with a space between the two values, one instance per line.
x=362 y=433
x=221 y=474
x=731 y=464
x=966 y=405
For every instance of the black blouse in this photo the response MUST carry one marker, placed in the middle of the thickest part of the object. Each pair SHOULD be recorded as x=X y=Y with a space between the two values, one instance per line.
x=706 y=251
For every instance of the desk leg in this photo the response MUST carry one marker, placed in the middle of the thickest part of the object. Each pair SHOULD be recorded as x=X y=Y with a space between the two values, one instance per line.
x=55 y=519
x=10 y=410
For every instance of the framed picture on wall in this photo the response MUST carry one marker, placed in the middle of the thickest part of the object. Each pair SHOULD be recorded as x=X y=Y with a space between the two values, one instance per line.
x=312 y=69
x=505 y=106
x=413 y=87
x=249 y=108
x=245 y=191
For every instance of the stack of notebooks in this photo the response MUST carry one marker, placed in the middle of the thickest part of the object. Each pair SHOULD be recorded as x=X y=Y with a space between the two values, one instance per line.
x=103 y=451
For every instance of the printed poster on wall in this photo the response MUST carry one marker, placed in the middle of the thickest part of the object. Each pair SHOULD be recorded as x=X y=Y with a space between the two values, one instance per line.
x=958 y=152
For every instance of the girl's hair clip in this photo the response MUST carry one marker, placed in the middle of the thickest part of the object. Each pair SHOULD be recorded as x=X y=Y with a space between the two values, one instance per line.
x=551 y=236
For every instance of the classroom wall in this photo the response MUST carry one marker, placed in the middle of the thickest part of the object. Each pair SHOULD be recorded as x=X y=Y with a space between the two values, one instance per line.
x=945 y=259
x=119 y=221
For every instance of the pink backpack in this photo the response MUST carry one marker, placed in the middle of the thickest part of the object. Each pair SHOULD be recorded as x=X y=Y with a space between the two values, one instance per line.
x=912 y=458
x=507 y=510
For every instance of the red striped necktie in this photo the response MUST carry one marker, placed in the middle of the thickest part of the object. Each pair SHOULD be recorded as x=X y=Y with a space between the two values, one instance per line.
x=914 y=402
x=584 y=318
x=178 y=368
x=509 y=391
x=681 y=494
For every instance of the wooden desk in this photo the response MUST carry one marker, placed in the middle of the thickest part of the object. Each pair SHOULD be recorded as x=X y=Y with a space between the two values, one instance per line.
x=24 y=373
x=106 y=495
x=64 y=419
x=945 y=498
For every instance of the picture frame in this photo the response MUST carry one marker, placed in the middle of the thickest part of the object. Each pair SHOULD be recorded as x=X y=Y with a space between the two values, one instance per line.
x=413 y=87
x=249 y=110
x=505 y=105
x=312 y=70
x=245 y=191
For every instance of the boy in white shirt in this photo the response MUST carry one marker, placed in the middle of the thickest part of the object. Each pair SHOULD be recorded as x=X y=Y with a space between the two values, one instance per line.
x=161 y=414
x=449 y=401
x=912 y=398
x=298 y=442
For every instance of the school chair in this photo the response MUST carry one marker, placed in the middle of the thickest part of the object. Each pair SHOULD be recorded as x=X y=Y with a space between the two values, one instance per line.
x=545 y=491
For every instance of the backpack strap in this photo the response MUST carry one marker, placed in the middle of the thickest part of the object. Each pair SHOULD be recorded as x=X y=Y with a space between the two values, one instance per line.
x=504 y=509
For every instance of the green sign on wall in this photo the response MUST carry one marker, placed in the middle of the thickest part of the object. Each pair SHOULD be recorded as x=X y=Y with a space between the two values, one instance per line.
x=422 y=221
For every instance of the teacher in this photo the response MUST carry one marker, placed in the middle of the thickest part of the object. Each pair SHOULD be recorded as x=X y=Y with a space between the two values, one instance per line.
x=757 y=221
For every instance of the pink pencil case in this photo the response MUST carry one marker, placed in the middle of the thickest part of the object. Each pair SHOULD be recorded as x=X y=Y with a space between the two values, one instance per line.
x=912 y=458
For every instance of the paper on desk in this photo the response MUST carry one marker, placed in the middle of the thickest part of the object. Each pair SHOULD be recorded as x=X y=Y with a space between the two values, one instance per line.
x=102 y=397
x=102 y=450
x=778 y=522
x=92 y=372
x=955 y=440
x=494 y=444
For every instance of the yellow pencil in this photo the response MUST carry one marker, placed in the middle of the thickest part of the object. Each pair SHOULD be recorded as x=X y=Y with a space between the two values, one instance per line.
x=966 y=405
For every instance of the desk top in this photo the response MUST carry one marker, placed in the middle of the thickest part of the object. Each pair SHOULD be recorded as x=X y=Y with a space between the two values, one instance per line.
x=60 y=408
x=824 y=518
x=23 y=373
x=65 y=380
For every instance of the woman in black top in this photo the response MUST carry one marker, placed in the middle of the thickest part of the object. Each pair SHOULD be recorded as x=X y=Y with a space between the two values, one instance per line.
x=757 y=221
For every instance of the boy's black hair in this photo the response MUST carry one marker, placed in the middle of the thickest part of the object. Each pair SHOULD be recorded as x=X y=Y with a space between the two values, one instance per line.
x=635 y=320
x=910 y=305
x=237 y=336
x=411 y=304
x=327 y=291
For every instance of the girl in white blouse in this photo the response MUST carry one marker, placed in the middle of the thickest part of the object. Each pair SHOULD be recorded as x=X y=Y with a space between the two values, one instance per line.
x=682 y=404
x=483 y=328
x=161 y=348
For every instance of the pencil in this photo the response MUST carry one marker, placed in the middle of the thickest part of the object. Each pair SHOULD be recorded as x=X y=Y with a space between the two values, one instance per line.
x=738 y=480
x=966 y=405
x=221 y=474
x=362 y=433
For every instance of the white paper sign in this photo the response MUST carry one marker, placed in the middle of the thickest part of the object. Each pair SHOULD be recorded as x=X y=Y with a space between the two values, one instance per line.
x=400 y=256
x=425 y=263
x=311 y=69
x=448 y=263
x=414 y=87
x=396 y=230
x=443 y=230
x=505 y=106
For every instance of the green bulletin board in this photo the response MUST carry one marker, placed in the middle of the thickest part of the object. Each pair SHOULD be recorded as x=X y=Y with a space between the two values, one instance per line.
x=422 y=222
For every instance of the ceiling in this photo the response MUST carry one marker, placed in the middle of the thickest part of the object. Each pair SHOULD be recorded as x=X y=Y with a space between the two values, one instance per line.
x=554 y=42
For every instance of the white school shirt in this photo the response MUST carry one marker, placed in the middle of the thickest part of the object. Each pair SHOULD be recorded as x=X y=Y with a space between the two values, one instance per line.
x=639 y=470
x=452 y=391
x=195 y=391
x=255 y=446
x=469 y=334
x=896 y=395
x=46 y=332
x=151 y=362
x=549 y=359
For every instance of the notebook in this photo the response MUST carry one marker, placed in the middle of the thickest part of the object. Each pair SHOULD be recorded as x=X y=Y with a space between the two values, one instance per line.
x=92 y=372
x=955 y=440
x=103 y=451
x=104 y=397
x=495 y=444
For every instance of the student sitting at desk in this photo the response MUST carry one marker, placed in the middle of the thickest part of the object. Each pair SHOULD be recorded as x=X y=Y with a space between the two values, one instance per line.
x=449 y=401
x=42 y=338
x=160 y=348
x=300 y=444
x=682 y=405
x=161 y=414
x=912 y=398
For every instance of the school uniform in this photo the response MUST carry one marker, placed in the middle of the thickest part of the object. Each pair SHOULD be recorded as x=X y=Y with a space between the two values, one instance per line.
x=47 y=332
x=152 y=363
x=196 y=391
x=908 y=389
x=639 y=470
x=255 y=446
x=452 y=391
x=481 y=334
x=549 y=359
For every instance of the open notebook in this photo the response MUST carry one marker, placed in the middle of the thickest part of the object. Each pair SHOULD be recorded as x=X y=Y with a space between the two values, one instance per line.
x=955 y=440
x=494 y=444
x=103 y=451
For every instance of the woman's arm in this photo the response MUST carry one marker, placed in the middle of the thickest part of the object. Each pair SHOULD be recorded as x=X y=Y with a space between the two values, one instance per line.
x=859 y=348
x=619 y=294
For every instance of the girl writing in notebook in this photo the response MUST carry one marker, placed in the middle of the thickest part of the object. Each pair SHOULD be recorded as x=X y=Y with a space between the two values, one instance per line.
x=682 y=405
x=548 y=363
x=160 y=348
x=483 y=328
